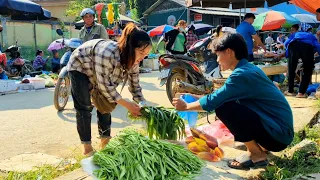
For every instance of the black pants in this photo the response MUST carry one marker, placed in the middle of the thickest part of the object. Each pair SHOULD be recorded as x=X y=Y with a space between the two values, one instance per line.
x=246 y=126
x=82 y=103
x=304 y=51
x=55 y=68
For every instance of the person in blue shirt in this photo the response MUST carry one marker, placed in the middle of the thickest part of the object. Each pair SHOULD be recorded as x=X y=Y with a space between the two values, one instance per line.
x=55 y=62
x=249 y=104
x=3 y=75
x=301 y=45
x=248 y=33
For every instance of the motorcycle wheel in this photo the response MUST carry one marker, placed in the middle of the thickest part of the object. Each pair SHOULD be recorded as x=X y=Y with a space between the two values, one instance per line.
x=171 y=86
x=26 y=69
x=61 y=93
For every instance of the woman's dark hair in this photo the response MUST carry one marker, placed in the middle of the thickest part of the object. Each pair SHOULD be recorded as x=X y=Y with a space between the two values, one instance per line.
x=39 y=52
x=132 y=37
x=318 y=10
x=233 y=41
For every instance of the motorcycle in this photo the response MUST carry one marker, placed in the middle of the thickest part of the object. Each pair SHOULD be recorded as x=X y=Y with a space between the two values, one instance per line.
x=16 y=65
x=192 y=73
x=62 y=90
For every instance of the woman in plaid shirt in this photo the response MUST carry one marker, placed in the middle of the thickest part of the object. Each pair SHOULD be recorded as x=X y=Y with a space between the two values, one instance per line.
x=112 y=63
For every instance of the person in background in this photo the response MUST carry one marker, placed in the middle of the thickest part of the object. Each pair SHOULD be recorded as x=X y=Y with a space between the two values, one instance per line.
x=301 y=45
x=112 y=63
x=55 y=63
x=91 y=30
x=318 y=19
x=3 y=75
x=259 y=116
x=176 y=39
x=191 y=37
x=39 y=63
x=269 y=40
x=280 y=39
x=248 y=32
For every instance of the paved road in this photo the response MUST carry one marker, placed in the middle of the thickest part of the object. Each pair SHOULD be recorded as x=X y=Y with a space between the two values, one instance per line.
x=30 y=123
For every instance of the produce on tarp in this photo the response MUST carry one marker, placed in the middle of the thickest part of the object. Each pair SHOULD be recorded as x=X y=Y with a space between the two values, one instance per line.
x=204 y=146
x=130 y=155
x=162 y=123
x=49 y=82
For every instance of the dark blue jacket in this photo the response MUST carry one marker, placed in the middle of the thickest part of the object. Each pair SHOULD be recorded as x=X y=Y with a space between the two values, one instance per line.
x=304 y=37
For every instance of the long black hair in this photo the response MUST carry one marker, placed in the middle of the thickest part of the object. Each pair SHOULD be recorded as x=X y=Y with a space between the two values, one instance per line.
x=132 y=37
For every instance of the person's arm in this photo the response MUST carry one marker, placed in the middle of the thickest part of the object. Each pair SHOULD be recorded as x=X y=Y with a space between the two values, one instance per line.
x=236 y=87
x=134 y=85
x=258 y=40
x=103 y=33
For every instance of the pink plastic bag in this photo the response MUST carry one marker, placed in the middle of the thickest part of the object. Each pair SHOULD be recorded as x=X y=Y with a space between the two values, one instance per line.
x=218 y=130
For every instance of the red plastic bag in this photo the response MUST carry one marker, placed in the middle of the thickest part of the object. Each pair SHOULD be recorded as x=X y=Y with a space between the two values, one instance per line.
x=217 y=130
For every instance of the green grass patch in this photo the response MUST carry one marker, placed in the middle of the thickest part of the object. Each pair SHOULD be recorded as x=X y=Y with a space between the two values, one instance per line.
x=47 y=172
x=302 y=162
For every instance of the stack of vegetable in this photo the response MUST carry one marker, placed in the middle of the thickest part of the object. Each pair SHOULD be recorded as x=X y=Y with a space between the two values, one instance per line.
x=162 y=123
x=205 y=146
x=130 y=155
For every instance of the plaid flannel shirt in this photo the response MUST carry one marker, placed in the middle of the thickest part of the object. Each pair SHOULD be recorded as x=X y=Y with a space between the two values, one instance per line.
x=191 y=39
x=110 y=73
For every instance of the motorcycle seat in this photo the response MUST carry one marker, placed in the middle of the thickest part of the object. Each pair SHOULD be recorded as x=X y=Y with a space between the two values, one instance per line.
x=184 y=57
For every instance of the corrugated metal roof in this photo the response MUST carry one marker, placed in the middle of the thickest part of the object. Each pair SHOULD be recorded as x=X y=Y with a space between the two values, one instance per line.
x=216 y=11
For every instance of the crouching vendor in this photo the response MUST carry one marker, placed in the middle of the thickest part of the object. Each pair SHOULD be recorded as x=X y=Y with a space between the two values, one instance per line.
x=249 y=104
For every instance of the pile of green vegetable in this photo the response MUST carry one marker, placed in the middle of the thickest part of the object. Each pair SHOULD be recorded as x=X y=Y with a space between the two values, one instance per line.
x=162 y=123
x=130 y=155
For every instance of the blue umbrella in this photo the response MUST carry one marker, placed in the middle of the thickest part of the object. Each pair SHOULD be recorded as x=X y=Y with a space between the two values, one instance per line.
x=20 y=7
x=306 y=18
x=45 y=15
x=201 y=29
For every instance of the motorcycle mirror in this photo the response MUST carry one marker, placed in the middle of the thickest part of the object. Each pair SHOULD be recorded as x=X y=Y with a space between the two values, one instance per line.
x=59 y=31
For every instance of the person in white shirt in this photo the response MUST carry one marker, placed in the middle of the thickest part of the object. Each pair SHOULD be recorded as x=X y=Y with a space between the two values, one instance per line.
x=280 y=39
x=269 y=40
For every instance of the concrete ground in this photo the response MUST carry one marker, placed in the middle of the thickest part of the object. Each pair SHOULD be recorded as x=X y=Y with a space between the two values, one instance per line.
x=30 y=124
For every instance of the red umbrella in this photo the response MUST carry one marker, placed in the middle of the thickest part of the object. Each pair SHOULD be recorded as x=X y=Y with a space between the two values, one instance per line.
x=236 y=4
x=160 y=30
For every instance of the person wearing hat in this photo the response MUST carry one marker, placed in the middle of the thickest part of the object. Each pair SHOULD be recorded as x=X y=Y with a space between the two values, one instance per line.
x=191 y=37
x=91 y=30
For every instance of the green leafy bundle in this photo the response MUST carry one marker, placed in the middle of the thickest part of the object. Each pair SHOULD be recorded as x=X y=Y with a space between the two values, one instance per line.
x=162 y=123
x=130 y=155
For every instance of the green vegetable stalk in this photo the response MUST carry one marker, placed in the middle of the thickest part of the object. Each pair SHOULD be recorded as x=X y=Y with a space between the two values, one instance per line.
x=130 y=155
x=162 y=123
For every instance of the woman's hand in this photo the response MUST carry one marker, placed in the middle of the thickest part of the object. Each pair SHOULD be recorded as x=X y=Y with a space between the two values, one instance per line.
x=133 y=108
x=180 y=104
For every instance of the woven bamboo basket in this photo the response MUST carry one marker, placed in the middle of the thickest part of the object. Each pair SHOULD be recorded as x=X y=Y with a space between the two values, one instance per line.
x=274 y=70
x=218 y=83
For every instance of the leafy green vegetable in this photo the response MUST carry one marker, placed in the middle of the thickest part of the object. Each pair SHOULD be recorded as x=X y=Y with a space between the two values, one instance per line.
x=162 y=123
x=130 y=155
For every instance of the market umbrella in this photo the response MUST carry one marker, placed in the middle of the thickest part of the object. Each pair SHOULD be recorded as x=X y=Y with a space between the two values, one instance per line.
x=123 y=20
x=272 y=20
x=45 y=15
x=306 y=18
x=236 y=4
x=201 y=29
x=160 y=30
x=308 y=5
x=19 y=7
x=56 y=45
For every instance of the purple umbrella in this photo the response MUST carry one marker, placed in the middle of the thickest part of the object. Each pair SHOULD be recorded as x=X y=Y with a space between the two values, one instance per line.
x=201 y=29
x=56 y=45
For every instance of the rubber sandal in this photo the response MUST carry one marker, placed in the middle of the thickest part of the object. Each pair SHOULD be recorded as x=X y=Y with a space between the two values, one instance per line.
x=289 y=94
x=303 y=96
x=90 y=153
x=246 y=163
